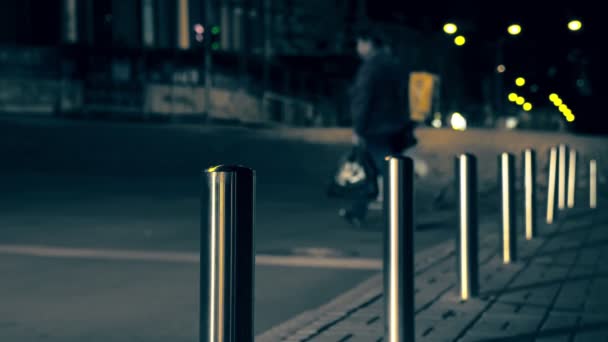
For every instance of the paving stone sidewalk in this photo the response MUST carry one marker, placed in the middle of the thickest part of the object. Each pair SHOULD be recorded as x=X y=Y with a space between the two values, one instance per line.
x=554 y=292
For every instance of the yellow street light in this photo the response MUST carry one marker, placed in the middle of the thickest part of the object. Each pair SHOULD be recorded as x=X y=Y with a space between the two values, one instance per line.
x=450 y=28
x=514 y=29
x=570 y=118
x=575 y=25
x=513 y=97
x=520 y=81
x=520 y=100
x=553 y=97
x=527 y=106
x=563 y=108
x=460 y=40
x=558 y=102
x=458 y=122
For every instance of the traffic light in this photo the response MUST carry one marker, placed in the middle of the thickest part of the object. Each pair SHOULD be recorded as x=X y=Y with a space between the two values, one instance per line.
x=215 y=37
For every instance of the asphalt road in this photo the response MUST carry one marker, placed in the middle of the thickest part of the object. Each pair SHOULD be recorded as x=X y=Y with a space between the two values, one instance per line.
x=80 y=200
x=99 y=222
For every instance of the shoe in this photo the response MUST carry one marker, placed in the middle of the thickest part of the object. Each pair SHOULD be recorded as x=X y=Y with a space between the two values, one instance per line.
x=350 y=217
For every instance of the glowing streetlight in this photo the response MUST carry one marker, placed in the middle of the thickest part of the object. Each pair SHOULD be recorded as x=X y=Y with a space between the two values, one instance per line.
x=558 y=102
x=563 y=108
x=570 y=118
x=514 y=29
x=458 y=122
x=575 y=25
x=520 y=100
x=450 y=28
x=527 y=106
x=501 y=68
x=553 y=97
x=436 y=123
x=460 y=40
x=520 y=81
x=513 y=97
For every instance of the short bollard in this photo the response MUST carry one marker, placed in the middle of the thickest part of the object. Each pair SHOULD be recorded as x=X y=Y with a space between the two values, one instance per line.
x=592 y=184
x=561 y=189
x=509 y=236
x=571 y=178
x=530 y=192
x=467 y=240
x=227 y=255
x=551 y=185
x=399 y=251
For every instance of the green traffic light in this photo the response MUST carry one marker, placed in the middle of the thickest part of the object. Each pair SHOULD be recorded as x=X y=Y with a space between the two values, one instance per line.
x=215 y=30
x=215 y=46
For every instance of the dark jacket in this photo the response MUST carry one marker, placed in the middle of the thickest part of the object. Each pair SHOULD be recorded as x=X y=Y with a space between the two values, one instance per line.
x=379 y=97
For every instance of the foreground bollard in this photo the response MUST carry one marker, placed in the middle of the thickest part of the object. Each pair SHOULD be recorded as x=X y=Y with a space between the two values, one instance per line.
x=571 y=178
x=561 y=194
x=551 y=185
x=467 y=241
x=399 y=251
x=592 y=184
x=509 y=237
x=227 y=255
x=530 y=192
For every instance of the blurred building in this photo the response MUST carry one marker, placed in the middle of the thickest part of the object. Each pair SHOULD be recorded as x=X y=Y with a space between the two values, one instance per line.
x=289 y=27
x=283 y=60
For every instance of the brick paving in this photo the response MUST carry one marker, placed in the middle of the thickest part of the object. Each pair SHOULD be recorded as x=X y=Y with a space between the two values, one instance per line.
x=554 y=292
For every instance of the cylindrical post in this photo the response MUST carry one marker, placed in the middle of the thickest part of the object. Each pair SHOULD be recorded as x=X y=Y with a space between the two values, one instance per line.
x=467 y=241
x=530 y=192
x=561 y=194
x=399 y=250
x=592 y=184
x=227 y=255
x=571 y=178
x=551 y=185
x=509 y=237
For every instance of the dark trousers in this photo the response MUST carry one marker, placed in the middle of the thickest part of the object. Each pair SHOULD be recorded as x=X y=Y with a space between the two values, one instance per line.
x=378 y=150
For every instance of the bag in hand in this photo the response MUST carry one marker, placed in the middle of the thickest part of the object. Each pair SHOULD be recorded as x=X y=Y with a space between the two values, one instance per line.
x=355 y=175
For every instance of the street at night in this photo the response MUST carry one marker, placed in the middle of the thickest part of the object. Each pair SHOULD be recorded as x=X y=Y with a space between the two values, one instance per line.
x=310 y=171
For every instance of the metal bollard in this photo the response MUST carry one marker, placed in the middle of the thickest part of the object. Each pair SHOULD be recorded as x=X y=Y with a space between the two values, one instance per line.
x=551 y=185
x=530 y=192
x=571 y=178
x=467 y=241
x=399 y=251
x=561 y=194
x=227 y=255
x=592 y=184
x=509 y=237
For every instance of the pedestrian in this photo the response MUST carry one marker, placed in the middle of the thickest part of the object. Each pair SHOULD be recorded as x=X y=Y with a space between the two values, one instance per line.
x=379 y=109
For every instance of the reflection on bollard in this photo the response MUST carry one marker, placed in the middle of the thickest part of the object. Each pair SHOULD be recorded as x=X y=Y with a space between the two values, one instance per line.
x=399 y=251
x=467 y=241
x=530 y=192
x=227 y=255
x=592 y=184
x=561 y=195
x=551 y=185
x=571 y=178
x=509 y=237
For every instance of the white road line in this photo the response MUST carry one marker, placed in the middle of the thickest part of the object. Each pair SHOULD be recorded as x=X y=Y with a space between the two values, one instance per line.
x=319 y=262
x=187 y=257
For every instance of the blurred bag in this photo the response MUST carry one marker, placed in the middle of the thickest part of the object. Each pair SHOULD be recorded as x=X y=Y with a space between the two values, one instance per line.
x=355 y=175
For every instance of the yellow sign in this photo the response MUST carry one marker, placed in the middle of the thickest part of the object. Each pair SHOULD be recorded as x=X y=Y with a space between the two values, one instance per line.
x=422 y=93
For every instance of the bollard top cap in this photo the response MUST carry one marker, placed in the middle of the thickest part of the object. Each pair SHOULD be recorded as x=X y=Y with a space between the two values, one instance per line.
x=398 y=157
x=402 y=161
x=230 y=168
x=466 y=155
